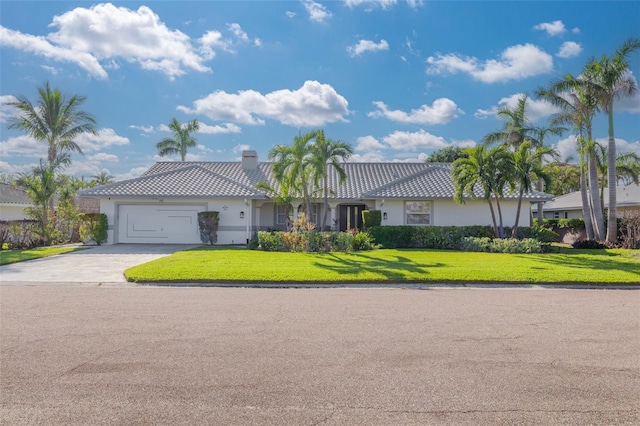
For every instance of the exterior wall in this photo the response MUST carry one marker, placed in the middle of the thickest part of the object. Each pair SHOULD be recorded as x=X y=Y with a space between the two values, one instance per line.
x=450 y=213
x=232 y=228
x=14 y=212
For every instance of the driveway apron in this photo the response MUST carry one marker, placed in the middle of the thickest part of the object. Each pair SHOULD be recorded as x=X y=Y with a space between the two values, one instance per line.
x=93 y=265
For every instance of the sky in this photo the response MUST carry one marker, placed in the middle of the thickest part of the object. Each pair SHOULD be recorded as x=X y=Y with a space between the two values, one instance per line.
x=395 y=79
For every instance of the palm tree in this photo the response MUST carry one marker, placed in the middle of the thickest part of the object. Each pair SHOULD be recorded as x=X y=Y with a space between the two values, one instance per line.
x=102 y=178
x=54 y=120
x=517 y=126
x=487 y=168
x=627 y=168
x=565 y=177
x=181 y=141
x=327 y=152
x=612 y=79
x=293 y=164
x=527 y=167
x=579 y=106
x=41 y=186
x=281 y=194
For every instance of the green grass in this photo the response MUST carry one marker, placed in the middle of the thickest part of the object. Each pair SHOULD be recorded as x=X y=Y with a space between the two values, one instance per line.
x=13 y=256
x=206 y=264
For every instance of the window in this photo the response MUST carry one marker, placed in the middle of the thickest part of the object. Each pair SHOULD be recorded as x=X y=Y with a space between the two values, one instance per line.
x=418 y=212
x=281 y=215
x=314 y=211
x=556 y=215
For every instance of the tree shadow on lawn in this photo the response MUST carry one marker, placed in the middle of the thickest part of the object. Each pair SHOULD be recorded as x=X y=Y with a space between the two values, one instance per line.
x=578 y=261
x=397 y=269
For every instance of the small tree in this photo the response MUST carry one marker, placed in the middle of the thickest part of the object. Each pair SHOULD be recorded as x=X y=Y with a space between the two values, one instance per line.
x=208 y=225
x=93 y=227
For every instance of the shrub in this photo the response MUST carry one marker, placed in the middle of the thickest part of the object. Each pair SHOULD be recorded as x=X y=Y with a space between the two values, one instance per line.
x=630 y=229
x=23 y=234
x=573 y=224
x=433 y=237
x=271 y=241
x=503 y=245
x=208 y=226
x=588 y=244
x=362 y=241
x=371 y=218
x=312 y=241
x=93 y=227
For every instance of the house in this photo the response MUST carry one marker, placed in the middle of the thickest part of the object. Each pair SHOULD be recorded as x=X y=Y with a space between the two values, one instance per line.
x=161 y=206
x=13 y=201
x=569 y=206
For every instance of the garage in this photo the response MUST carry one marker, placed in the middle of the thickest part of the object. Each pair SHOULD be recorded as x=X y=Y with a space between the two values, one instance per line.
x=159 y=223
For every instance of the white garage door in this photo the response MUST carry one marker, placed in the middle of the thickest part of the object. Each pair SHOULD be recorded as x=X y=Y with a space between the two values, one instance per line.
x=158 y=224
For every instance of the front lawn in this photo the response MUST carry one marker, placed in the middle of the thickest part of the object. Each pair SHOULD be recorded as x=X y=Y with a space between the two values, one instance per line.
x=13 y=256
x=207 y=264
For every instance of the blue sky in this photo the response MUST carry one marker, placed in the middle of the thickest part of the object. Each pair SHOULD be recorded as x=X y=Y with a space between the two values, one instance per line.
x=396 y=79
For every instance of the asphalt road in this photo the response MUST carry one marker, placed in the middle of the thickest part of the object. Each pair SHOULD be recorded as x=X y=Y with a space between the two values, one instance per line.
x=149 y=355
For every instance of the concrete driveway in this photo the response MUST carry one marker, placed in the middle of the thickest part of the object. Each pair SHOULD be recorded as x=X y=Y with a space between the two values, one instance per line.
x=93 y=265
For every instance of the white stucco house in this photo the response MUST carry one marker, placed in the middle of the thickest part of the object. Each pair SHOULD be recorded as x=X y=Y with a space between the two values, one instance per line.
x=13 y=201
x=569 y=206
x=161 y=206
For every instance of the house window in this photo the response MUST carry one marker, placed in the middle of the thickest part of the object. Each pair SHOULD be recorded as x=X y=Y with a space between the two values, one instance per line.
x=314 y=212
x=556 y=215
x=418 y=212
x=281 y=215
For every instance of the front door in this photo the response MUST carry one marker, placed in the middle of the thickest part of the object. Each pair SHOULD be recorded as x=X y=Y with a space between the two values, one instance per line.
x=351 y=216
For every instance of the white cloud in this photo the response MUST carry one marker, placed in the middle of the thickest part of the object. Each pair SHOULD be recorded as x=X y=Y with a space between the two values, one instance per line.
x=515 y=63
x=39 y=45
x=412 y=141
x=239 y=148
x=237 y=31
x=133 y=173
x=290 y=14
x=534 y=109
x=101 y=156
x=368 y=157
x=143 y=129
x=15 y=169
x=23 y=146
x=106 y=137
x=210 y=40
x=106 y=33
x=225 y=128
x=576 y=30
x=567 y=147
x=384 y=4
x=367 y=46
x=368 y=143
x=442 y=111
x=569 y=49
x=7 y=110
x=552 y=28
x=314 y=104
x=52 y=70
x=317 y=12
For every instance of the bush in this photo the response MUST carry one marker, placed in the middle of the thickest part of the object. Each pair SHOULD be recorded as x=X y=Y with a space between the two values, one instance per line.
x=312 y=241
x=573 y=224
x=630 y=229
x=208 y=226
x=22 y=234
x=432 y=237
x=371 y=218
x=503 y=245
x=93 y=227
x=588 y=244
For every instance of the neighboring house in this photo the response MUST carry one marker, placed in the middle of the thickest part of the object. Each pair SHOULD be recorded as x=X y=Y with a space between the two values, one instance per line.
x=569 y=206
x=161 y=206
x=13 y=201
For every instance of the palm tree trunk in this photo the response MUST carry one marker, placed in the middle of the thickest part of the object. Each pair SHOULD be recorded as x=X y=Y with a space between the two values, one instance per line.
x=496 y=231
x=612 y=224
x=540 y=213
x=596 y=205
x=514 y=231
x=326 y=202
x=586 y=210
x=501 y=228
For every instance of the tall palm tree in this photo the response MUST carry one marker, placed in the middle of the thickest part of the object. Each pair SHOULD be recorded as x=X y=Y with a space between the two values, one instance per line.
x=181 y=141
x=54 y=120
x=527 y=167
x=102 y=178
x=327 y=152
x=487 y=169
x=293 y=164
x=517 y=126
x=612 y=79
x=579 y=106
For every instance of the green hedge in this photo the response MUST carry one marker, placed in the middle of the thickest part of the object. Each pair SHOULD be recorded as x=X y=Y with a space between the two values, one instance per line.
x=312 y=241
x=93 y=227
x=446 y=237
x=503 y=245
x=371 y=218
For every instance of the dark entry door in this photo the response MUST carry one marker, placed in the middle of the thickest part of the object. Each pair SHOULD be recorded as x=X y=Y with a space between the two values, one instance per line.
x=351 y=216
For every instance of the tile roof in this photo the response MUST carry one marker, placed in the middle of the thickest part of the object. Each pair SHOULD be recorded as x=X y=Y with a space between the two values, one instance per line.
x=625 y=196
x=12 y=195
x=229 y=179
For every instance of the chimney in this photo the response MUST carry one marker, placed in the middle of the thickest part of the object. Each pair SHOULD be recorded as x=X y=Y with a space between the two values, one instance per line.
x=249 y=160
